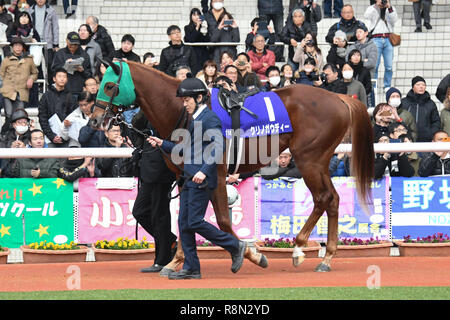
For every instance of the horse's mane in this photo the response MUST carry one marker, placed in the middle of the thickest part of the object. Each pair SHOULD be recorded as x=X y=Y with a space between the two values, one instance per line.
x=165 y=77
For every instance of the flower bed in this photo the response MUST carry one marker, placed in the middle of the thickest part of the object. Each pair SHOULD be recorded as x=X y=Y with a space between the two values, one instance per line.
x=283 y=248
x=359 y=248
x=437 y=245
x=4 y=252
x=207 y=250
x=48 y=252
x=123 y=249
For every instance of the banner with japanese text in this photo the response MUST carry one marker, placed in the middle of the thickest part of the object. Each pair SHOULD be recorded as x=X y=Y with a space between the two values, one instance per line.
x=105 y=210
x=243 y=214
x=420 y=206
x=34 y=210
x=285 y=205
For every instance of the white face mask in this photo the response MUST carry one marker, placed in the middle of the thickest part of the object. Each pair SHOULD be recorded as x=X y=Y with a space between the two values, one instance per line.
x=395 y=102
x=274 y=80
x=218 y=5
x=288 y=75
x=21 y=129
x=308 y=70
x=347 y=74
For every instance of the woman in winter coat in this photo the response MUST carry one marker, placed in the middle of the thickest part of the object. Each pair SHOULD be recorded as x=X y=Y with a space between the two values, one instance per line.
x=196 y=31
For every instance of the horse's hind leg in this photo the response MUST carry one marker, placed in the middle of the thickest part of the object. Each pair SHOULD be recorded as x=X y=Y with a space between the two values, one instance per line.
x=315 y=177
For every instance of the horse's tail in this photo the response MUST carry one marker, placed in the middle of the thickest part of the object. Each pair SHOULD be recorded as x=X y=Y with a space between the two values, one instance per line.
x=362 y=160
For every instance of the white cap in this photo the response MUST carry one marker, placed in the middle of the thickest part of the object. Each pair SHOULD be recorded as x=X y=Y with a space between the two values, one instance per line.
x=286 y=151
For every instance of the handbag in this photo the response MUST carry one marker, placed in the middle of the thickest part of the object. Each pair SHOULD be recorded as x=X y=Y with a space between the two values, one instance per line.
x=395 y=39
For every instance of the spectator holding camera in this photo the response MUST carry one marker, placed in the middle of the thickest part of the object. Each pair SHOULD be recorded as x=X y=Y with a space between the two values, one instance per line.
x=308 y=48
x=227 y=31
x=383 y=116
x=355 y=88
x=418 y=102
x=393 y=98
x=177 y=54
x=260 y=57
x=332 y=82
x=270 y=38
x=337 y=53
x=313 y=12
x=382 y=17
x=197 y=31
x=246 y=78
x=436 y=163
x=391 y=164
x=293 y=33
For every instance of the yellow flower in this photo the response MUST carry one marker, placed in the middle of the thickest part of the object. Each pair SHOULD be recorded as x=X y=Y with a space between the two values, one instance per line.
x=32 y=245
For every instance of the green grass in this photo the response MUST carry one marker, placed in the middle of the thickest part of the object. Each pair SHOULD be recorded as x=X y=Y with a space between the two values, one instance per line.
x=325 y=293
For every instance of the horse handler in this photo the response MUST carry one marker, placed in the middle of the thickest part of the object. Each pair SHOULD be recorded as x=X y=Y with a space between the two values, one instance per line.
x=200 y=164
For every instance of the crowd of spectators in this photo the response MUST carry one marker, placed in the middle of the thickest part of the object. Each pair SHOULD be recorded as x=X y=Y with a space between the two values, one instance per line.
x=75 y=72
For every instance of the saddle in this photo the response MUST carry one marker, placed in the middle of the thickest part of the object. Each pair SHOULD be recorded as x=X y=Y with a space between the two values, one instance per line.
x=233 y=103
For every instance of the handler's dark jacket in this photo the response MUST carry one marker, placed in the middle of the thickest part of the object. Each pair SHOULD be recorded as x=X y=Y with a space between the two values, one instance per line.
x=153 y=168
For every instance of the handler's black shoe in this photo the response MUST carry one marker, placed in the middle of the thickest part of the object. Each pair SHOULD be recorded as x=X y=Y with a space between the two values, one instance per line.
x=154 y=268
x=238 y=257
x=185 y=274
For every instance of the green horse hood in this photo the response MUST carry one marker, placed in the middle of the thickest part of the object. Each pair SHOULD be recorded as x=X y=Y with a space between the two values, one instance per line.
x=126 y=95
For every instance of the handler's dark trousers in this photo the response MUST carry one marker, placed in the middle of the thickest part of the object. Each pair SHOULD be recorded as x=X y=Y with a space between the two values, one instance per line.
x=151 y=210
x=193 y=205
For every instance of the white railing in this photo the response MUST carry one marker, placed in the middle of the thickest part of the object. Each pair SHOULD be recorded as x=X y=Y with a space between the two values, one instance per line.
x=126 y=152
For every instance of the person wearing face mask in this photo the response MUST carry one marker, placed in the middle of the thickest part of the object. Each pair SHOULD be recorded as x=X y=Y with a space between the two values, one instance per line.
x=308 y=74
x=393 y=98
x=287 y=75
x=18 y=134
x=355 y=88
x=33 y=167
x=273 y=79
x=423 y=109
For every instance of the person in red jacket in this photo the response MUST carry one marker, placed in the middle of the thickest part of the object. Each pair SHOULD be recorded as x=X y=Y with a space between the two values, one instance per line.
x=260 y=57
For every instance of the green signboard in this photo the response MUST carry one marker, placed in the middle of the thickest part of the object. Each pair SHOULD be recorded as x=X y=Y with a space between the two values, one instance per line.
x=34 y=210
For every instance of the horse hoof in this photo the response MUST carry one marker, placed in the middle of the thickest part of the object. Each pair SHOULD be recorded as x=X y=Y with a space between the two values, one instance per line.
x=165 y=272
x=263 y=263
x=296 y=261
x=322 y=268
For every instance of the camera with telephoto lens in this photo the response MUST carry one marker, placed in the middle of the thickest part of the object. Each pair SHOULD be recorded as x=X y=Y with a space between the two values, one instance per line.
x=384 y=2
x=316 y=77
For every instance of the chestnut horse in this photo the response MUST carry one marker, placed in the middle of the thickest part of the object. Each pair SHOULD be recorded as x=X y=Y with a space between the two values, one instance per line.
x=320 y=119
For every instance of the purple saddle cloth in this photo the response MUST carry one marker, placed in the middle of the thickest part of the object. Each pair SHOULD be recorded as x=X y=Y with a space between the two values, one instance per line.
x=267 y=106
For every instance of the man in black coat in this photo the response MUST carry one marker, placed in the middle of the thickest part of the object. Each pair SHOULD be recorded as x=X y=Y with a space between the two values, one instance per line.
x=57 y=100
x=423 y=109
x=436 y=163
x=332 y=82
x=177 y=54
x=151 y=208
x=71 y=53
x=347 y=24
x=126 y=50
x=101 y=36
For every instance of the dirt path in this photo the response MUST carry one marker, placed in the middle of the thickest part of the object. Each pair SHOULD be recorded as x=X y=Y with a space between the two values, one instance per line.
x=394 y=271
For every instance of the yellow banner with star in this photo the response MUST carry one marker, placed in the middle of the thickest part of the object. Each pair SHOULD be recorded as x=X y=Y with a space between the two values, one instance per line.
x=34 y=210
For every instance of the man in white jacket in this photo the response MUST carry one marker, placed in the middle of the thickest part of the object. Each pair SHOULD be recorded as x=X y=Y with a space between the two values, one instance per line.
x=70 y=127
x=381 y=18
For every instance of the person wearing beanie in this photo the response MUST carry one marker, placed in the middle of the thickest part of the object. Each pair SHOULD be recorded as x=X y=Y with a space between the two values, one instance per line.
x=126 y=50
x=338 y=49
x=418 y=102
x=393 y=98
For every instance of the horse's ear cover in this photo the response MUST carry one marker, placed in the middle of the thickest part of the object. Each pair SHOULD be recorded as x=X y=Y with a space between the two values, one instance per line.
x=126 y=94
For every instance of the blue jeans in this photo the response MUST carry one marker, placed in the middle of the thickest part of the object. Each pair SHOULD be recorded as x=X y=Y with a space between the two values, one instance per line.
x=327 y=4
x=386 y=49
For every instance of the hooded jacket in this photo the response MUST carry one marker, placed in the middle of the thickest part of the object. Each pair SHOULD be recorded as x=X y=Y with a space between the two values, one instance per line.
x=368 y=51
x=425 y=112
